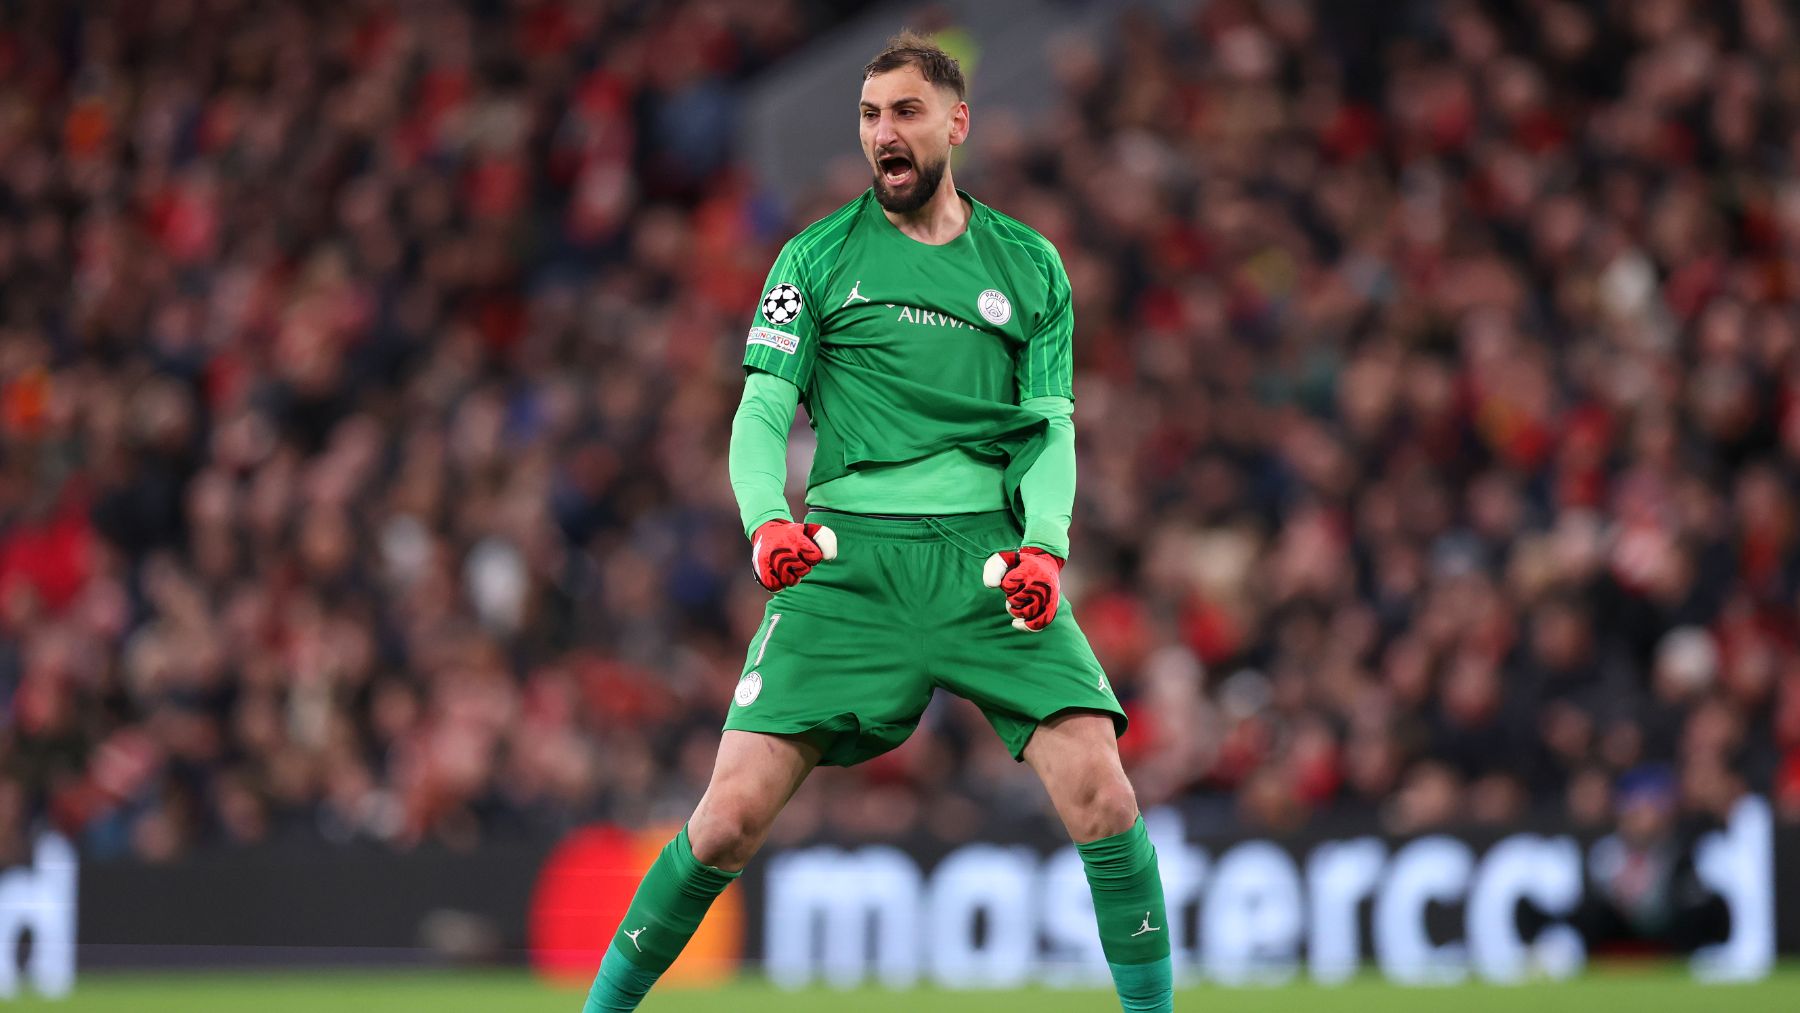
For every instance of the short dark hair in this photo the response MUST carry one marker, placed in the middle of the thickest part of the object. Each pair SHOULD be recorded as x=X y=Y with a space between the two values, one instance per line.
x=910 y=49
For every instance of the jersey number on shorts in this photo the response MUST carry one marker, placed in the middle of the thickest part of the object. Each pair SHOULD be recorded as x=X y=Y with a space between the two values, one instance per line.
x=762 y=648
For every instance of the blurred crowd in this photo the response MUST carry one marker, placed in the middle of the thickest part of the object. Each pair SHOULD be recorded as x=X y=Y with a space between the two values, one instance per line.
x=366 y=371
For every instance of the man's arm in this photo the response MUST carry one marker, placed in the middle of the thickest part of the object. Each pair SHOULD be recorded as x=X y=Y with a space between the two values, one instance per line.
x=1045 y=374
x=781 y=552
x=1048 y=487
x=758 y=456
x=778 y=361
x=778 y=364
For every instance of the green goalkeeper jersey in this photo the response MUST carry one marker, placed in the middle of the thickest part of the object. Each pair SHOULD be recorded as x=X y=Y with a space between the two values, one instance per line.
x=913 y=359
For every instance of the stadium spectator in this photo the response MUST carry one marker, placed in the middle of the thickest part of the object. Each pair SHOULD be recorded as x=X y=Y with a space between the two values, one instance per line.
x=1643 y=890
x=365 y=372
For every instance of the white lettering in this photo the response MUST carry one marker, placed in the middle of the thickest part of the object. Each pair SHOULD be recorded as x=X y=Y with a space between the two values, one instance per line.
x=1430 y=868
x=862 y=899
x=999 y=885
x=1739 y=862
x=1184 y=870
x=1548 y=872
x=40 y=900
x=1252 y=921
x=931 y=318
x=1339 y=877
x=1073 y=956
x=998 y=916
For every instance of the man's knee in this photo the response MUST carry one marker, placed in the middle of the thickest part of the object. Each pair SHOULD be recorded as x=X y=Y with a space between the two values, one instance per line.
x=1077 y=755
x=753 y=777
x=725 y=833
x=1109 y=808
x=1099 y=803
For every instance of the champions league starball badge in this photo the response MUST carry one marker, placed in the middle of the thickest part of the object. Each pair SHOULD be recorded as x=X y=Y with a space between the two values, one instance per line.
x=781 y=304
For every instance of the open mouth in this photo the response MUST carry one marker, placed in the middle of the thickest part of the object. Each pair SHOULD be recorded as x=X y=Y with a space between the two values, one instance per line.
x=896 y=170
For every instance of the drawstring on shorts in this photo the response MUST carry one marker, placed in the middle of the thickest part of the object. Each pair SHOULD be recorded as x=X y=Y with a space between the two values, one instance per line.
x=958 y=539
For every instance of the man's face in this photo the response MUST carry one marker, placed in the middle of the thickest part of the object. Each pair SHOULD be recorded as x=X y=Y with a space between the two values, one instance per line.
x=908 y=128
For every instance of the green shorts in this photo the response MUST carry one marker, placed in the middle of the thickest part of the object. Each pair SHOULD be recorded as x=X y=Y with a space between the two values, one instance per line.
x=848 y=658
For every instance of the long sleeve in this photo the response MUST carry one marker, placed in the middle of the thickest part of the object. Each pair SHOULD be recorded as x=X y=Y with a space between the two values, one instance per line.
x=758 y=457
x=1048 y=488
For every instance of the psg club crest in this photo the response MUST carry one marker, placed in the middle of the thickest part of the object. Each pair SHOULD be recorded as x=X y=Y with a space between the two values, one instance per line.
x=781 y=304
x=748 y=689
x=995 y=308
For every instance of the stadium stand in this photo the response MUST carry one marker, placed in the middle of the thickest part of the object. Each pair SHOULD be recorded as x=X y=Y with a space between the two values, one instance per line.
x=366 y=371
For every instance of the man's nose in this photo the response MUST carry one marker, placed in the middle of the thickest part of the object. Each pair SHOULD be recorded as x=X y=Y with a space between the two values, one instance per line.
x=884 y=131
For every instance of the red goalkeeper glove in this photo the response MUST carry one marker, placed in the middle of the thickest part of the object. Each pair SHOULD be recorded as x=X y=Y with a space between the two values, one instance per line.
x=1032 y=580
x=782 y=552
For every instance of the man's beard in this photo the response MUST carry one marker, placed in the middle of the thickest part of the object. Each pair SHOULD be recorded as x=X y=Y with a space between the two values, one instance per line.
x=914 y=195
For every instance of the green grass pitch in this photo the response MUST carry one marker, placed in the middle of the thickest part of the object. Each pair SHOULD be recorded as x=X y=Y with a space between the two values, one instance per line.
x=1616 y=990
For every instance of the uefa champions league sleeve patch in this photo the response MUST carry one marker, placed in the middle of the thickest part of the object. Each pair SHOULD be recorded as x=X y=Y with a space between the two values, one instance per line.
x=781 y=341
x=781 y=304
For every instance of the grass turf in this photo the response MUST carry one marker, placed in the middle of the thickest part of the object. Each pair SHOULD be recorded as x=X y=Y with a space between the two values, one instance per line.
x=1627 y=990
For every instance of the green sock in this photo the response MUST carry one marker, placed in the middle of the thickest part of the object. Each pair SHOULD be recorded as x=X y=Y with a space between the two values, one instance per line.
x=662 y=918
x=1134 y=927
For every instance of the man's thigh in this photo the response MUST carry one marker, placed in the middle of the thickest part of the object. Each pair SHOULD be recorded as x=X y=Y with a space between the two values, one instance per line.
x=1076 y=755
x=834 y=664
x=754 y=776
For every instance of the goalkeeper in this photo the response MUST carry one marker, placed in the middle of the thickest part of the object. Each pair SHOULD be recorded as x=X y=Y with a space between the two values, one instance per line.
x=930 y=338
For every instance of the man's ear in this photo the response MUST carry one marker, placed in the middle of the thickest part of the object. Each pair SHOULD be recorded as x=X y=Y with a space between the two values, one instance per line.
x=959 y=124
